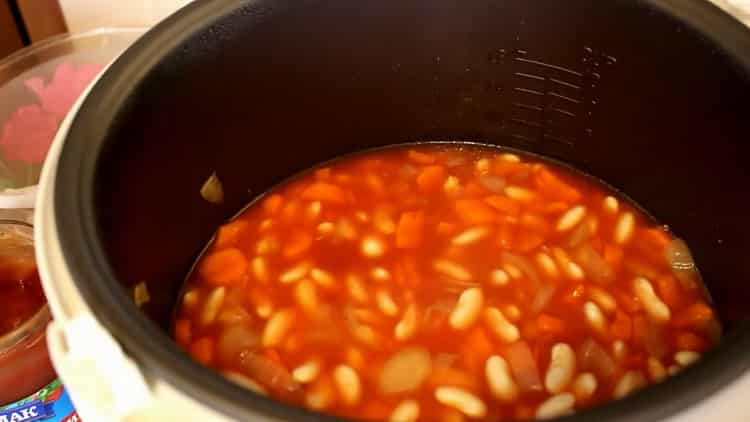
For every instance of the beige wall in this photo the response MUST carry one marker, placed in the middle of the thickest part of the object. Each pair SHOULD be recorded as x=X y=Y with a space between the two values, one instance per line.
x=83 y=15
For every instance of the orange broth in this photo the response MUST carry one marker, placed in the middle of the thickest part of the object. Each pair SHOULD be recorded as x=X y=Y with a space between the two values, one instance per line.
x=437 y=283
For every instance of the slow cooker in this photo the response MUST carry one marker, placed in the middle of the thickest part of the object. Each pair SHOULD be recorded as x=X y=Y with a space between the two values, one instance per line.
x=650 y=95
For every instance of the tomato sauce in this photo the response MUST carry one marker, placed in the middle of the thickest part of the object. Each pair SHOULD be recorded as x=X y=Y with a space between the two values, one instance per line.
x=445 y=283
x=24 y=361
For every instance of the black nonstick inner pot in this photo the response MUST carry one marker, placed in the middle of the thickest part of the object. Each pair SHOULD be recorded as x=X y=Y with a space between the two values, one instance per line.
x=651 y=96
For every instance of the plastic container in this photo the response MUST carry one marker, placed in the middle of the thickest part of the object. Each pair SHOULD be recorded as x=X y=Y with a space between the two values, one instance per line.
x=24 y=361
x=38 y=85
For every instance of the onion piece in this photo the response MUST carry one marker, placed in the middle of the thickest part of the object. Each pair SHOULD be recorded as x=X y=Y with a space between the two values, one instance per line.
x=405 y=371
x=140 y=294
x=542 y=297
x=212 y=189
x=494 y=184
x=234 y=340
x=272 y=375
x=523 y=366
x=594 y=264
x=523 y=264
x=680 y=259
x=593 y=357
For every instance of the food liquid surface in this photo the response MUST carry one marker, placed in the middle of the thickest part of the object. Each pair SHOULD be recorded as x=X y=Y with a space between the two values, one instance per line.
x=445 y=283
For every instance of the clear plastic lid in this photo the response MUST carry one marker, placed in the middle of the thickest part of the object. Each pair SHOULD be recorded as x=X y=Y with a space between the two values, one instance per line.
x=38 y=86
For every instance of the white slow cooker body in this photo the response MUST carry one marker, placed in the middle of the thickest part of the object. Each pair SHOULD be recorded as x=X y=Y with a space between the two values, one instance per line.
x=107 y=384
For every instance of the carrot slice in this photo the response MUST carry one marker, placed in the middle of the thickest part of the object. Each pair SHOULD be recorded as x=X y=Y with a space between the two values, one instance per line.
x=226 y=266
x=183 y=331
x=685 y=340
x=202 y=350
x=503 y=204
x=669 y=290
x=431 y=178
x=445 y=228
x=297 y=244
x=410 y=230
x=375 y=411
x=552 y=186
x=476 y=349
x=613 y=255
x=474 y=189
x=527 y=242
x=505 y=236
x=695 y=315
x=229 y=233
x=524 y=368
x=321 y=191
x=474 y=211
x=547 y=324
x=273 y=203
x=448 y=376
x=622 y=326
x=420 y=157
x=323 y=174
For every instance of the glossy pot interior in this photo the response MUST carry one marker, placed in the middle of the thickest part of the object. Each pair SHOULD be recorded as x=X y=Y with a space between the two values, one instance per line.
x=654 y=104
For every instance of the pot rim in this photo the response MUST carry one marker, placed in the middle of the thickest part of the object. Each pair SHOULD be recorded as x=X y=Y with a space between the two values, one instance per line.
x=159 y=355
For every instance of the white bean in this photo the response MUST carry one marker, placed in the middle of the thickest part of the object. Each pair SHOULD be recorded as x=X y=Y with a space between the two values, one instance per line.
x=499 y=277
x=547 y=264
x=259 y=268
x=245 y=382
x=313 y=210
x=482 y=166
x=295 y=273
x=619 y=350
x=320 y=396
x=406 y=411
x=499 y=380
x=686 y=357
x=212 y=305
x=656 y=370
x=470 y=236
x=653 y=305
x=452 y=269
x=569 y=268
x=467 y=309
x=326 y=228
x=510 y=158
x=624 y=228
x=512 y=312
x=602 y=298
x=594 y=316
x=519 y=194
x=267 y=245
x=451 y=185
x=500 y=326
x=307 y=372
x=629 y=382
x=673 y=370
x=571 y=218
x=277 y=326
x=561 y=368
x=514 y=272
x=384 y=223
x=611 y=205
x=556 y=406
x=380 y=274
x=585 y=385
x=461 y=400
x=407 y=326
x=191 y=298
x=356 y=288
x=385 y=303
x=306 y=296
x=322 y=277
x=372 y=247
x=348 y=383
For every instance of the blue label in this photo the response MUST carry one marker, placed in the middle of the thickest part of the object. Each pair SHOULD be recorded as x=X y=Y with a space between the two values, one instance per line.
x=50 y=404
